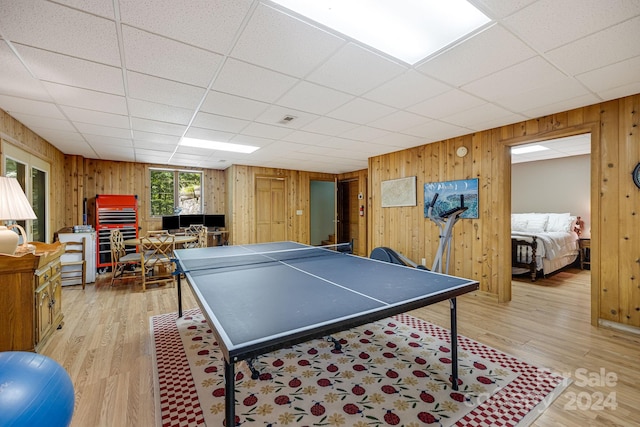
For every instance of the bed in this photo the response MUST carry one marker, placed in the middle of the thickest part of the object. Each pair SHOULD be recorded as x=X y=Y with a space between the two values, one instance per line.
x=542 y=243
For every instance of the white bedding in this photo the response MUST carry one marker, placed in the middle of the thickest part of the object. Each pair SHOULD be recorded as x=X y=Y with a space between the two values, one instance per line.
x=557 y=240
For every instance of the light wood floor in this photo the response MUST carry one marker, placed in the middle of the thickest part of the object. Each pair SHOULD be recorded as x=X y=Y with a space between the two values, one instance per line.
x=105 y=347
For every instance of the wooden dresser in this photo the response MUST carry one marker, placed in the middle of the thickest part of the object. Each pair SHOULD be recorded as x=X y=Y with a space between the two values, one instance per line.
x=30 y=297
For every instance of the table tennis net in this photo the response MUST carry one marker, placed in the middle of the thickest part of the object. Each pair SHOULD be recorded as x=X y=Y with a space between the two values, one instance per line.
x=248 y=260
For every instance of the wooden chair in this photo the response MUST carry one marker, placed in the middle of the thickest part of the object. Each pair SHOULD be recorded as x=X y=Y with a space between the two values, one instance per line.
x=73 y=268
x=201 y=232
x=156 y=251
x=123 y=265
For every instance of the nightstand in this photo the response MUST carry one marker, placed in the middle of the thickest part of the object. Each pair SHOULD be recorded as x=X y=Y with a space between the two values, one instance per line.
x=585 y=252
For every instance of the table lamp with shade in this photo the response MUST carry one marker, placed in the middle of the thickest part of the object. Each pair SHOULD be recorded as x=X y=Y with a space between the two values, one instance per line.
x=14 y=206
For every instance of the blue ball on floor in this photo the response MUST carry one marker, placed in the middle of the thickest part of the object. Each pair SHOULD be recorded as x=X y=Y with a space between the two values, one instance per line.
x=34 y=391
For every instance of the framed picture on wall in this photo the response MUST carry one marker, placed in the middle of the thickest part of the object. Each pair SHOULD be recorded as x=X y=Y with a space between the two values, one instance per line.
x=451 y=194
x=399 y=192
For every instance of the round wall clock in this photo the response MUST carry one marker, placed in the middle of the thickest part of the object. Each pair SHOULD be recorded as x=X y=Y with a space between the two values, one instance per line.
x=636 y=175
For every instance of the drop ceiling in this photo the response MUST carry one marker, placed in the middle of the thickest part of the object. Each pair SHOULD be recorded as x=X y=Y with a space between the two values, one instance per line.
x=577 y=145
x=126 y=79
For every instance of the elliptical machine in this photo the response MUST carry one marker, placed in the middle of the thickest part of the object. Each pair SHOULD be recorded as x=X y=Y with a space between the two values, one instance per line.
x=445 y=222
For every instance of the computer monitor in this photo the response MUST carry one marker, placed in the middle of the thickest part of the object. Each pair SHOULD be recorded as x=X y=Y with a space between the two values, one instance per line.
x=191 y=219
x=170 y=222
x=216 y=221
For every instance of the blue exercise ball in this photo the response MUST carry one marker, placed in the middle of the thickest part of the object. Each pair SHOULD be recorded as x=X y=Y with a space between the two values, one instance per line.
x=34 y=391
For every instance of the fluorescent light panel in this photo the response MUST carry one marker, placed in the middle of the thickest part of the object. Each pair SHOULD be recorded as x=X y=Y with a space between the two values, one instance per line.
x=528 y=149
x=216 y=145
x=409 y=30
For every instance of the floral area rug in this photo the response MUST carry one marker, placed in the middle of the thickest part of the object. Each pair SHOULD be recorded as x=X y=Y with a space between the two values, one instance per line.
x=392 y=372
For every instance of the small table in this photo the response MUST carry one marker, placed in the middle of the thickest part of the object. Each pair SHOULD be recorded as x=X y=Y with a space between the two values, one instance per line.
x=178 y=240
x=585 y=252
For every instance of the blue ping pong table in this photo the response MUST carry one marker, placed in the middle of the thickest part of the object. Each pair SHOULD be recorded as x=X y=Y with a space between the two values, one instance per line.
x=262 y=297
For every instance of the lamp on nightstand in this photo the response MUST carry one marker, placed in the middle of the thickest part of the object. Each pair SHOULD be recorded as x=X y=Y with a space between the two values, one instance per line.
x=14 y=206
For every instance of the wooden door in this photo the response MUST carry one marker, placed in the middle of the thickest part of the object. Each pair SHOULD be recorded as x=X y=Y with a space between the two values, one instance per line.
x=270 y=210
x=348 y=212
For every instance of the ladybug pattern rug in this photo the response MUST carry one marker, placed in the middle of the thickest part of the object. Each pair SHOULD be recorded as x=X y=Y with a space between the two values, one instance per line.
x=393 y=372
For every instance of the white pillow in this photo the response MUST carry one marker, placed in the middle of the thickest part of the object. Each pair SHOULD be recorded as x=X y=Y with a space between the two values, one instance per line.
x=559 y=222
x=518 y=225
x=536 y=223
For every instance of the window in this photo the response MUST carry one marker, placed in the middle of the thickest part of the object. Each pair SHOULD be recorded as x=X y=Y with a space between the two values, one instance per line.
x=33 y=175
x=175 y=192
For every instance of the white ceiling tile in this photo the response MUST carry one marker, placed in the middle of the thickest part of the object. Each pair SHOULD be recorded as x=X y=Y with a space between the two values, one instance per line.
x=612 y=76
x=313 y=98
x=303 y=137
x=275 y=114
x=221 y=123
x=174 y=50
x=547 y=24
x=210 y=24
x=612 y=45
x=153 y=140
x=145 y=125
x=228 y=105
x=278 y=41
x=397 y=140
x=473 y=117
x=159 y=112
x=60 y=29
x=96 y=7
x=70 y=71
x=436 y=130
x=99 y=142
x=329 y=126
x=356 y=70
x=619 y=91
x=16 y=80
x=96 y=117
x=518 y=79
x=118 y=153
x=398 y=121
x=250 y=81
x=162 y=91
x=563 y=105
x=497 y=9
x=445 y=104
x=40 y=122
x=149 y=156
x=266 y=131
x=250 y=140
x=158 y=56
x=406 y=90
x=209 y=134
x=84 y=98
x=12 y=104
x=364 y=133
x=481 y=55
x=361 y=111
x=565 y=88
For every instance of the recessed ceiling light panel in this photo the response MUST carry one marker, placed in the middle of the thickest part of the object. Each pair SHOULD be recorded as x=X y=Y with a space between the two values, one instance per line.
x=409 y=30
x=528 y=149
x=216 y=145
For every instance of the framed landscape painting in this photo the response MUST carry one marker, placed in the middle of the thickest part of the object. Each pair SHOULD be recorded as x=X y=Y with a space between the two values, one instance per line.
x=451 y=194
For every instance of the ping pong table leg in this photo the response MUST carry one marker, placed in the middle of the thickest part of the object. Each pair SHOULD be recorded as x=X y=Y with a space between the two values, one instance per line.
x=454 y=345
x=179 y=297
x=229 y=394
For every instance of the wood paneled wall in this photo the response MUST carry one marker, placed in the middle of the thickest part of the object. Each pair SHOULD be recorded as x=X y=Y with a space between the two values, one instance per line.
x=480 y=248
x=241 y=188
x=15 y=133
x=361 y=176
x=88 y=177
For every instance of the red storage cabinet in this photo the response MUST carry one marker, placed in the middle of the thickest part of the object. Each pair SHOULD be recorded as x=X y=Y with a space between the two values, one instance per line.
x=114 y=211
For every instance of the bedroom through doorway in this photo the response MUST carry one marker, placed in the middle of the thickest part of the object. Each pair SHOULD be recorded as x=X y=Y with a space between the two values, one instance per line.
x=551 y=209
